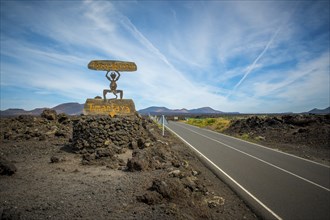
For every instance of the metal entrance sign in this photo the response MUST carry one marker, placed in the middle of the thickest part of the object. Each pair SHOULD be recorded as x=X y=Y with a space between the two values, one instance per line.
x=115 y=66
x=112 y=65
x=113 y=106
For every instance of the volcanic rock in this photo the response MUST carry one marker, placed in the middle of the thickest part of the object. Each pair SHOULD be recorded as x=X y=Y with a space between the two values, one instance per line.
x=150 y=198
x=49 y=114
x=6 y=167
x=62 y=118
x=103 y=137
x=215 y=201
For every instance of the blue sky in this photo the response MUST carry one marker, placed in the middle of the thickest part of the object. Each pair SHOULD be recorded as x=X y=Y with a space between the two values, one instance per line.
x=246 y=56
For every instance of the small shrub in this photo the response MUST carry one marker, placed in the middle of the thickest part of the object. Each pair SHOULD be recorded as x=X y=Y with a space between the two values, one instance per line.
x=221 y=124
x=195 y=122
x=209 y=121
x=218 y=124
x=245 y=136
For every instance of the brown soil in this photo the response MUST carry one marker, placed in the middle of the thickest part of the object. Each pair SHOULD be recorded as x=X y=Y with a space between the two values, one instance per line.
x=306 y=136
x=51 y=181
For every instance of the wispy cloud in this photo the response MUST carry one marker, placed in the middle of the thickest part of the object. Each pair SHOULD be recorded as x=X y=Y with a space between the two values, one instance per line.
x=189 y=54
x=252 y=66
x=271 y=40
x=301 y=75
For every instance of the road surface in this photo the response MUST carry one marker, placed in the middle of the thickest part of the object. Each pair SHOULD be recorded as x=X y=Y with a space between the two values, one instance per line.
x=282 y=185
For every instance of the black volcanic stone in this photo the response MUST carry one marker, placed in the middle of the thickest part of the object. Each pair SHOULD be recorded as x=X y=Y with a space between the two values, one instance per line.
x=96 y=131
x=6 y=167
x=49 y=114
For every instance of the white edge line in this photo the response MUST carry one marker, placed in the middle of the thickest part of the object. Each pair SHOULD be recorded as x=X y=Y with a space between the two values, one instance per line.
x=268 y=148
x=229 y=177
x=270 y=164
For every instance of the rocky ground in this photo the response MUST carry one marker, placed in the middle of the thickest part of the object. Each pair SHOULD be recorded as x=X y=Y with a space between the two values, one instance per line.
x=60 y=167
x=306 y=136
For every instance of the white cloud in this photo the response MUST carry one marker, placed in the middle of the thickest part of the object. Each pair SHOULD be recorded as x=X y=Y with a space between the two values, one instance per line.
x=299 y=88
x=195 y=60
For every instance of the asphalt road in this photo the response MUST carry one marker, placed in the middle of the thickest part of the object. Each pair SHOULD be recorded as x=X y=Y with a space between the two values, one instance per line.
x=283 y=185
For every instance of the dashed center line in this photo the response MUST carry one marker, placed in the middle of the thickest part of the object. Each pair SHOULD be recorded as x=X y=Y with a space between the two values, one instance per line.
x=229 y=177
x=270 y=164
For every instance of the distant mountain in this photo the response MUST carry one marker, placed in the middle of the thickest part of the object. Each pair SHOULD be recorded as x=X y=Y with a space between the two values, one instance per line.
x=153 y=109
x=320 y=111
x=205 y=110
x=181 y=111
x=166 y=111
x=14 y=111
x=36 y=111
x=72 y=108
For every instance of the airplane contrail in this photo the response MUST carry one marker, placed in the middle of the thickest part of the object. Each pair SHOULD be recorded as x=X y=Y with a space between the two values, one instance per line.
x=132 y=28
x=252 y=66
x=139 y=36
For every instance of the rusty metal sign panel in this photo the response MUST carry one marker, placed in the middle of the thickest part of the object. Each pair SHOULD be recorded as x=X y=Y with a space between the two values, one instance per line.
x=112 y=65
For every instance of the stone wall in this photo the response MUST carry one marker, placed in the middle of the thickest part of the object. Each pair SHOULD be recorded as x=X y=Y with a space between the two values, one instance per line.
x=103 y=137
x=100 y=139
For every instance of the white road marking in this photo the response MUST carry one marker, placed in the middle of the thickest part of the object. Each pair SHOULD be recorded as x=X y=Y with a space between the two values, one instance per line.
x=229 y=177
x=258 y=145
x=270 y=164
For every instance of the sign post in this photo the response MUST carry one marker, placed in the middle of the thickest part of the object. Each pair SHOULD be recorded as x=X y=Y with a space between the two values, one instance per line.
x=162 y=121
x=163 y=126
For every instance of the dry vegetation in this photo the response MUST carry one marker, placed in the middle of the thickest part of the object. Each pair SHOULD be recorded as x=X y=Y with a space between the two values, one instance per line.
x=216 y=124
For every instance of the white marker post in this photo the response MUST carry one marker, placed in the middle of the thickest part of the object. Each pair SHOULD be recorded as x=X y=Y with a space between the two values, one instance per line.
x=163 y=125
